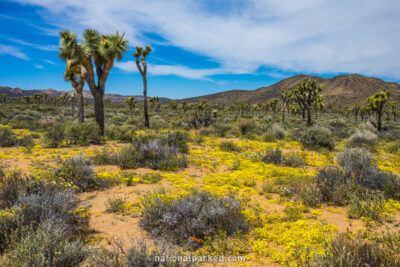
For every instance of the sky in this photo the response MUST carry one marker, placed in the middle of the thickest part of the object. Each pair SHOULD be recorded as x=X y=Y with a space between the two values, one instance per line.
x=205 y=46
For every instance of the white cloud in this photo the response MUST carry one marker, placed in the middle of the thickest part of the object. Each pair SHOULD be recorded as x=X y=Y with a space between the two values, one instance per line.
x=314 y=36
x=178 y=70
x=12 y=51
x=36 y=46
x=50 y=62
x=38 y=66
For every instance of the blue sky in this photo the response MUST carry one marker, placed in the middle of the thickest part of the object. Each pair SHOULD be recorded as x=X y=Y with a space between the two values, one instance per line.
x=208 y=46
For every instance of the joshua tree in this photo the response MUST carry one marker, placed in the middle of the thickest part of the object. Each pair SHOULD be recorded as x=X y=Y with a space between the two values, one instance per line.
x=184 y=106
x=74 y=75
x=377 y=104
x=286 y=97
x=143 y=52
x=4 y=99
x=155 y=103
x=38 y=98
x=131 y=102
x=95 y=56
x=173 y=104
x=393 y=109
x=27 y=99
x=306 y=94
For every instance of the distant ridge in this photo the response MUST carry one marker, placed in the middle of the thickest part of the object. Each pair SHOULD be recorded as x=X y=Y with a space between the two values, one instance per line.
x=343 y=88
x=18 y=92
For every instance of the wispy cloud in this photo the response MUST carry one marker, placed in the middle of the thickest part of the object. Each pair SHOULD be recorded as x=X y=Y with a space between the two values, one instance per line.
x=321 y=36
x=178 y=70
x=12 y=51
x=38 y=66
x=50 y=62
x=36 y=46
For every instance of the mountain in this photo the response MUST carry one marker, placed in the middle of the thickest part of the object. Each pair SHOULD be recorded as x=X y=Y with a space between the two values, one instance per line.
x=18 y=92
x=344 y=88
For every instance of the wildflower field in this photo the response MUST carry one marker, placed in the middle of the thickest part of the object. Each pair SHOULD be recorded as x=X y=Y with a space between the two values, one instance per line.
x=240 y=185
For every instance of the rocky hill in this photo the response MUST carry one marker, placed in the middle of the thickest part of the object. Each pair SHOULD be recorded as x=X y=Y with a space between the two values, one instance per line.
x=343 y=88
x=18 y=92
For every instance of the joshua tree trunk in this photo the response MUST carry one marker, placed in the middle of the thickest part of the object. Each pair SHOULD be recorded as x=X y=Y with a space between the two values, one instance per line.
x=99 y=109
x=379 y=121
x=146 y=114
x=303 y=113
x=309 y=117
x=283 y=115
x=80 y=107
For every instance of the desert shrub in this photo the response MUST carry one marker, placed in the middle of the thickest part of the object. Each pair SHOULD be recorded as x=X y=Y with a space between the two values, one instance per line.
x=151 y=154
x=26 y=141
x=332 y=185
x=207 y=131
x=189 y=220
x=368 y=204
x=245 y=126
x=116 y=204
x=54 y=135
x=7 y=137
x=394 y=147
x=82 y=133
x=121 y=133
x=317 y=137
x=103 y=156
x=352 y=250
x=275 y=132
x=127 y=158
x=273 y=157
x=136 y=255
x=221 y=129
x=38 y=202
x=362 y=137
x=151 y=178
x=178 y=139
x=278 y=158
x=357 y=164
x=294 y=212
x=311 y=195
x=229 y=146
x=48 y=245
x=15 y=184
x=78 y=172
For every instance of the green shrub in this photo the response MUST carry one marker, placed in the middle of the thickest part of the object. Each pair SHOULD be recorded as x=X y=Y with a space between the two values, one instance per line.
x=352 y=250
x=317 y=137
x=27 y=142
x=362 y=137
x=151 y=178
x=275 y=132
x=82 y=133
x=221 y=129
x=48 y=245
x=116 y=204
x=121 y=133
x=229 y=146
x=245 y=126
x=137 y=255
x=104 y=156
x=368 y=204
x=78 y=171
x=7 y=137
x=54 y=135
x=311 y=196
x=192 y=218
x=278 y=158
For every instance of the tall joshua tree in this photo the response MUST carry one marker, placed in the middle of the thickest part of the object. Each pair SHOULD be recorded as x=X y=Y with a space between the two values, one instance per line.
x=306 y=94
x=143 y=52
x=95 y=56
x=377 y=103
x=38 y=98
x=131 y=102
x=286 y=97
x=4 y=99
x=74 y=75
